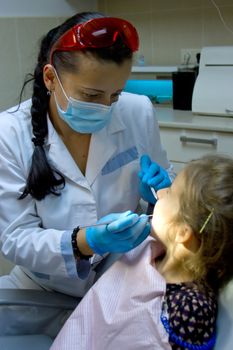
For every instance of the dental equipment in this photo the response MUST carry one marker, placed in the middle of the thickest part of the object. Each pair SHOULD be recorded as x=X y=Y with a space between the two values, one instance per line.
x=213 y=89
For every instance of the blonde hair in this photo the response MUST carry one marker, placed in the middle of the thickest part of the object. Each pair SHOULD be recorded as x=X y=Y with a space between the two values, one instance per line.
x=206 y=205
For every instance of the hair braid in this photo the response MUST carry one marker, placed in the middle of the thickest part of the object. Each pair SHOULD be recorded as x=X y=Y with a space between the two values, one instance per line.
x=42 y=179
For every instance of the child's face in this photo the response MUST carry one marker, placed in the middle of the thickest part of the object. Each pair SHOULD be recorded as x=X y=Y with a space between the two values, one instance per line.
x=166 y=209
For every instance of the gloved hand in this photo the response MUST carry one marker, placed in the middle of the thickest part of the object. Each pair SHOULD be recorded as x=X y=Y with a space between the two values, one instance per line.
x=151 y=175
x=125 y=232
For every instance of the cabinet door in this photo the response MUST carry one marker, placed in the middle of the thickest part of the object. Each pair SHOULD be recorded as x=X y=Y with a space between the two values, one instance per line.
x=183 y=145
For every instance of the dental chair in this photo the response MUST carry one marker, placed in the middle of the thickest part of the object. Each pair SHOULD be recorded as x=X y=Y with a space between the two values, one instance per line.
x=41 y=341
x=18 y=298
x=32 y=298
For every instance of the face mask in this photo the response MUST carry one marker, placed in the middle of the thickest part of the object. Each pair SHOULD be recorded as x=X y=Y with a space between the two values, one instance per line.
x=84 y=117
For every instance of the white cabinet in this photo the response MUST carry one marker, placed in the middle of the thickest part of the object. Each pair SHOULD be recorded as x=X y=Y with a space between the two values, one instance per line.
x=183 y=145
x=185 y=138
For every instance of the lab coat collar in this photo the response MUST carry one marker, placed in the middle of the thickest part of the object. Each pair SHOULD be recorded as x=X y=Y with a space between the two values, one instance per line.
x=101 y=149
x=60 y=157
x=116 y=124
x=102 y=146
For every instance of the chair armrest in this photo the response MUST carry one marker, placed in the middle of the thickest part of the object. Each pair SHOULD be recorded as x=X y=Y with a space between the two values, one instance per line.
x=41 y=298
x=32 y=297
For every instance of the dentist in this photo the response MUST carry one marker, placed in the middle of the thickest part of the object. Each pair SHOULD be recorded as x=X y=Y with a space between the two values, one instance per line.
x=70 y=156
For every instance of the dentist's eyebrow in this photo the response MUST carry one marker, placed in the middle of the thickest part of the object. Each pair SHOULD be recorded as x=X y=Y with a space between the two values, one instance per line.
x=97 y=90
x=91 y=89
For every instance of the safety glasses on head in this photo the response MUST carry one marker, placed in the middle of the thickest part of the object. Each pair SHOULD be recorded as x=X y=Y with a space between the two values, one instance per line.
x=97 y=33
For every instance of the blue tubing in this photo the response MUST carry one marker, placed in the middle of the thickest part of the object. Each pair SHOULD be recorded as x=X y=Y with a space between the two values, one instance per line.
x=157 y=90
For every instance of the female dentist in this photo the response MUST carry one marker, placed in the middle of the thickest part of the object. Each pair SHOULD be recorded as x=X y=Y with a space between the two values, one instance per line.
x=71 y=155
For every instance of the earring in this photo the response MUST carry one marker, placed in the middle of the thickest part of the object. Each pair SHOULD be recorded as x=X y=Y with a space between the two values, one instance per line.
x=49 y=93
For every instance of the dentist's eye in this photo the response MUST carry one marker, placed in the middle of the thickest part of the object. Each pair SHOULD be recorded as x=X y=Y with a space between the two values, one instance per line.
x=86 y=95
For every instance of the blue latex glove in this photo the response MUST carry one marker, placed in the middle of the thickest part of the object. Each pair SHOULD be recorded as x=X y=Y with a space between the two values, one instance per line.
x=151 y=175
x=125 y=232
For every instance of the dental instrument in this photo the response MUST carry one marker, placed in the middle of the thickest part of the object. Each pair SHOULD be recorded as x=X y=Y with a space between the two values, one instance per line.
x=106 y=223
x=154 y=193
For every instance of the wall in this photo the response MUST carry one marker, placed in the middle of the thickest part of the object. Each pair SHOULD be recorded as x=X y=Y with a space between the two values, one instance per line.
x=167 y=26
x=43 y=8
x=22 y=24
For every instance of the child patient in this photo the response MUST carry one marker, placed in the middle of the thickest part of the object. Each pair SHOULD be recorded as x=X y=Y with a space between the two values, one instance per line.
x=163 y=294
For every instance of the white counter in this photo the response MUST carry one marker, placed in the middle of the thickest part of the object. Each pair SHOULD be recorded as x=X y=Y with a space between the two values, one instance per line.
x=168 y=117
x=154 y=69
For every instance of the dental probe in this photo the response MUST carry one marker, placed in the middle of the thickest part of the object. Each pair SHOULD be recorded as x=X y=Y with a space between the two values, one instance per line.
x=154 y=193
x=105 y=223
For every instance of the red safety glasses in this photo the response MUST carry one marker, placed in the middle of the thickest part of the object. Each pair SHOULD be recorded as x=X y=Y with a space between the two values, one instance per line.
x=97 y=33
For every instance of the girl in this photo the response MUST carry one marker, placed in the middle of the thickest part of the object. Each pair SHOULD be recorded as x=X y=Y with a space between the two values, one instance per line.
x=194 y=220
x=163 y=294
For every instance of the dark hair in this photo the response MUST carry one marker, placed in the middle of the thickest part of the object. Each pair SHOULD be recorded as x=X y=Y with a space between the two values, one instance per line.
x=208 y=184
x=42 y=178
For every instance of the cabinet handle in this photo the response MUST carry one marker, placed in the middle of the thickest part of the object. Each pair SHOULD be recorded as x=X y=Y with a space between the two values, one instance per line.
x=212 y=142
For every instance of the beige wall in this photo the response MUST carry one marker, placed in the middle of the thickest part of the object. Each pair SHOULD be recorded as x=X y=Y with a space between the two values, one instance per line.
x=21 y=28
x=167 y=26
x=19 y=42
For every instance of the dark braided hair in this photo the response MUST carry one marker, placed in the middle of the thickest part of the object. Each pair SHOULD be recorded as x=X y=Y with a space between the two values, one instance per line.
x=42 y=178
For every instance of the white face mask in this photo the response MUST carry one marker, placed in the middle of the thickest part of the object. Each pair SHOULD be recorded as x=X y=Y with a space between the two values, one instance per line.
x=84 y=117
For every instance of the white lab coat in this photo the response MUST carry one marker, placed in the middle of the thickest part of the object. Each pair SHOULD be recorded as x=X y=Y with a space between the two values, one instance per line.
x=36 y=234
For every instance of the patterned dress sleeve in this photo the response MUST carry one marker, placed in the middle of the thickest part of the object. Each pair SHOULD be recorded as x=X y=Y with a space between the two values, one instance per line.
x=192 y=314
